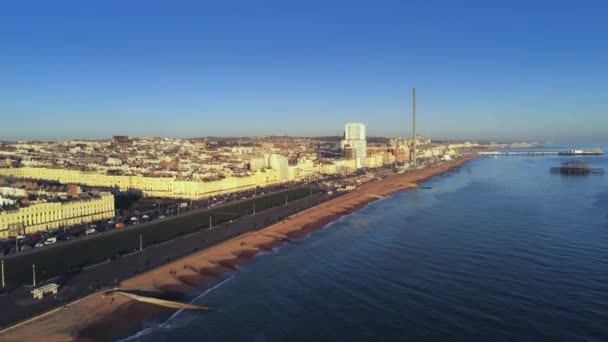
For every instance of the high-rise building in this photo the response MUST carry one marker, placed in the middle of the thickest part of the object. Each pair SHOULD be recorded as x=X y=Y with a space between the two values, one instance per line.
x=354 y=131
x=354 y=137
x=281 y=165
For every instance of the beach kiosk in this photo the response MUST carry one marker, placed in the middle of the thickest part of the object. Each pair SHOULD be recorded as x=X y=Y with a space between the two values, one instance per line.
x=41 y=291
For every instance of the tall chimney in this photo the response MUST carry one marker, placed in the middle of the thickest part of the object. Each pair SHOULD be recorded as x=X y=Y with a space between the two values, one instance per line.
x=414 y=132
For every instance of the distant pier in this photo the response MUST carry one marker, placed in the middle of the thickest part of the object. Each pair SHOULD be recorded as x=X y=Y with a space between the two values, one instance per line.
x=576 y=167
x=518 y=153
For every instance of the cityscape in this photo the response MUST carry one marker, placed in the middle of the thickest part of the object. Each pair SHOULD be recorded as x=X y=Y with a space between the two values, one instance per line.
x=319 y=171
x=43 y=182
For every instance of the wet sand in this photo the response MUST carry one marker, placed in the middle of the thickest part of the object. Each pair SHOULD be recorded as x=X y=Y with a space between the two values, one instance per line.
x=98 y=317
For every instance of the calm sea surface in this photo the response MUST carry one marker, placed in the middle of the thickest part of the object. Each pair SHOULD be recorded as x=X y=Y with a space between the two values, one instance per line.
x=500 y=250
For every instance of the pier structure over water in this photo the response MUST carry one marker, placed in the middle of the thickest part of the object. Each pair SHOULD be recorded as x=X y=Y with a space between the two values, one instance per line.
x=518 y=153
x=576 y=167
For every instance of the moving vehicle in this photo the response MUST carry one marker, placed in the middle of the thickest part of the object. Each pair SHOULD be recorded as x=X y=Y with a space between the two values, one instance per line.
x=50 y=241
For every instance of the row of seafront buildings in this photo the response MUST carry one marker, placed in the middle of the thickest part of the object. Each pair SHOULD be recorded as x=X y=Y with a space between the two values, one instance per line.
x=170 y=168
x=165 y=187
x=55 y=211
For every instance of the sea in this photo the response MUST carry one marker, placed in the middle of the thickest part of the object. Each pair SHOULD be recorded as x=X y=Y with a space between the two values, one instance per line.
x=498 y=250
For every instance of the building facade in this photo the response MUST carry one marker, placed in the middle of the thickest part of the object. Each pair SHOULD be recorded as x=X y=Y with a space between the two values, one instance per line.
x=166 y=187
x=281 y=165
x=56 y=214
x=354 y=137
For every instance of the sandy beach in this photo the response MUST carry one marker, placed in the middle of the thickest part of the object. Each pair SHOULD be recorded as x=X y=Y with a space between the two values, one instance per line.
x=98 y=317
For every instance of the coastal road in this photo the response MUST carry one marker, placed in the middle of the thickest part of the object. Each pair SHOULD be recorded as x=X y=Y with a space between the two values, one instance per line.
x=19 y=305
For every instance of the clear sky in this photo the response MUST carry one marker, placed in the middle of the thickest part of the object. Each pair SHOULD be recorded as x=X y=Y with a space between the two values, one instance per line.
x=483 y=69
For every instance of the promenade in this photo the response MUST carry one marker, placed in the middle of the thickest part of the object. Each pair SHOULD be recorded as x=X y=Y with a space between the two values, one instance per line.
x=99 y=317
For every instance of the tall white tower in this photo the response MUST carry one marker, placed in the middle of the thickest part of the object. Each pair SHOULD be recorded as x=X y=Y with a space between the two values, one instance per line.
x=354 y=136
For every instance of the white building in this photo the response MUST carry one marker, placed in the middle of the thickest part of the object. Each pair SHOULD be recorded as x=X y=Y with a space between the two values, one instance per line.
x=280 y=164
x=257 y=163
x=354 y=136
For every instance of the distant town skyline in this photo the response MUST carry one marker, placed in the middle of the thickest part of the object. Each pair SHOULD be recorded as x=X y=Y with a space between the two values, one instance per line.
x=516 y=71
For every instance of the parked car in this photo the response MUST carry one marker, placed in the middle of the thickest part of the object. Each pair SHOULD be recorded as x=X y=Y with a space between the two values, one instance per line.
x=91 y=231
x=50 y=241
x=39 y=244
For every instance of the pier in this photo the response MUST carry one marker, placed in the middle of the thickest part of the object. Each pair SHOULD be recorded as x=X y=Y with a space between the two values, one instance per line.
x=518 y=153
x=576 y=167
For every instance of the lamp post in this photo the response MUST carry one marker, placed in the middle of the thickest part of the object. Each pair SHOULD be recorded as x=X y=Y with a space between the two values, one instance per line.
x=34 y=274
x=3 y=283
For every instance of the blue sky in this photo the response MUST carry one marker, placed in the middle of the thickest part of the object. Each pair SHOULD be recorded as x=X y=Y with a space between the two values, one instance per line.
x=529 y=70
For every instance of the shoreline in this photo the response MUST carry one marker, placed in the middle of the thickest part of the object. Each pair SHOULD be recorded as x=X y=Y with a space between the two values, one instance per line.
x=99 y=317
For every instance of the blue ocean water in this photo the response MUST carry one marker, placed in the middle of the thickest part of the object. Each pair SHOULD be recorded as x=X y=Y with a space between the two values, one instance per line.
x=500 y=250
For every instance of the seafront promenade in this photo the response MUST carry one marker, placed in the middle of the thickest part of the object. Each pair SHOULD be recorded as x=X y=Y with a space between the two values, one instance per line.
x=101 y=276
x=105 y=318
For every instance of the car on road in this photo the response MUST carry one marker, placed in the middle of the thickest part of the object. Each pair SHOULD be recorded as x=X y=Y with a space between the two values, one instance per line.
x=50 y=241
x=39 y=244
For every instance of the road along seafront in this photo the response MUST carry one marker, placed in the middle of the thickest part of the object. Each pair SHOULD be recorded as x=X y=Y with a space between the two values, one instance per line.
x=107 y=317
